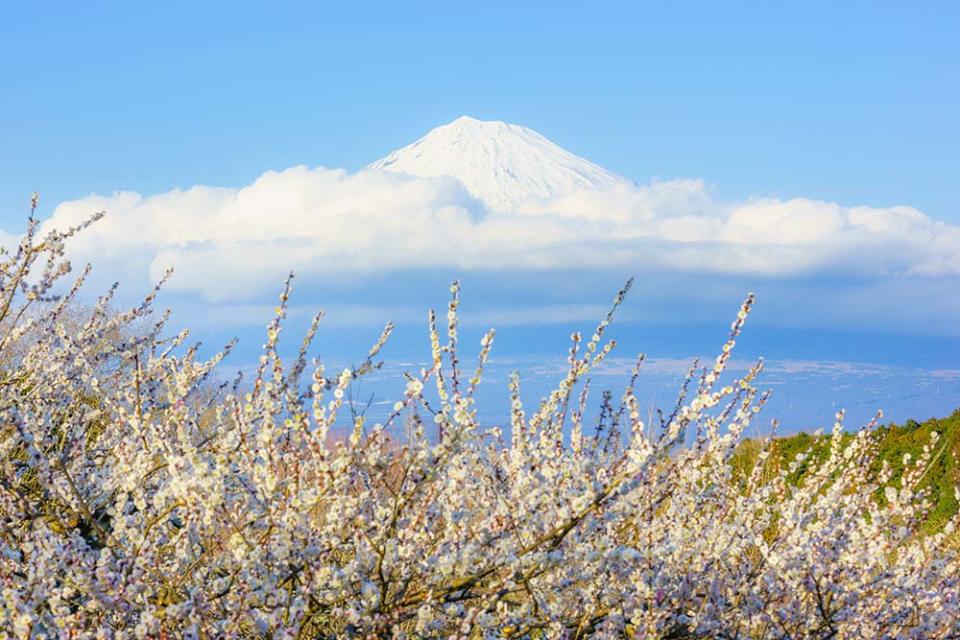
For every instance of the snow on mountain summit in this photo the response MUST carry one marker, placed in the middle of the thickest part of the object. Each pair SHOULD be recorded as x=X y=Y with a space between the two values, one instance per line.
x=500 y=164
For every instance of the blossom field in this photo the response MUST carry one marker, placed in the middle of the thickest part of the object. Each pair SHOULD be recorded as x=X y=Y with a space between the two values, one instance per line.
x=141 y=497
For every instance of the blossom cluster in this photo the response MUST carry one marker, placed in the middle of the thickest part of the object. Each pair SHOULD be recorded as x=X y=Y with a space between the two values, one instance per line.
x=141 y=498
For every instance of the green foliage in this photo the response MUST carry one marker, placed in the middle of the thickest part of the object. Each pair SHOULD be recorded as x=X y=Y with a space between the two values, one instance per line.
x=943 y=472
x=894 y=442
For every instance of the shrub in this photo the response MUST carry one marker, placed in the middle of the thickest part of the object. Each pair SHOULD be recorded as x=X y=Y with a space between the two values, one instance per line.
x=897 y=448
x=133 y=502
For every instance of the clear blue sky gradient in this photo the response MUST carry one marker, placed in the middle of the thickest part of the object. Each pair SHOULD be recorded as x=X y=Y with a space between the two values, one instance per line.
x=854 y=102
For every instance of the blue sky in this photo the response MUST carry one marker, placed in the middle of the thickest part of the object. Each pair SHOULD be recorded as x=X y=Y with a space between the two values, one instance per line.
x=852 y=103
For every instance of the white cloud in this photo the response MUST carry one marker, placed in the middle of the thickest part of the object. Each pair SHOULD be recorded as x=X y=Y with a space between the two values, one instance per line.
x=8 y=241
x=230 y=315
x=233 y=244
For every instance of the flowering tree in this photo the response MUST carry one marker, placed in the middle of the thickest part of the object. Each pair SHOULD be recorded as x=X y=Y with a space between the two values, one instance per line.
x=133 y=502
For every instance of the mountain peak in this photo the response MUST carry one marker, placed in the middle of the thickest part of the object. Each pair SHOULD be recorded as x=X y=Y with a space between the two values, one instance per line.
x=465 y=120
x=500 y=164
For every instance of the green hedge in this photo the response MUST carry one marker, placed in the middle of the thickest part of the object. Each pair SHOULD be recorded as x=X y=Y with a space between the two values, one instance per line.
x=893 y=441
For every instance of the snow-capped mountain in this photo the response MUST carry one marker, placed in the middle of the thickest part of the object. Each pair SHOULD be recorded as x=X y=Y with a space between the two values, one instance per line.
x=500 y=164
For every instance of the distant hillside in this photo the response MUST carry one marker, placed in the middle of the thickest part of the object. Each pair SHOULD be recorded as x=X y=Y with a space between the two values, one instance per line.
x=894 y=441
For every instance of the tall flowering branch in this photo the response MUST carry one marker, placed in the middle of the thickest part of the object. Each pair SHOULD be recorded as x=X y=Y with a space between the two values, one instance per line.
x=139 y=496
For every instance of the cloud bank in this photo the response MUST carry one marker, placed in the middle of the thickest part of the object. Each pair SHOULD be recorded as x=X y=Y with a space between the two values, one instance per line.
x=235 y=244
